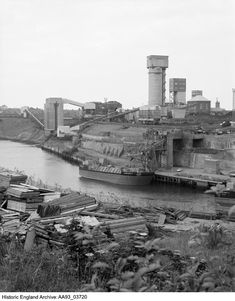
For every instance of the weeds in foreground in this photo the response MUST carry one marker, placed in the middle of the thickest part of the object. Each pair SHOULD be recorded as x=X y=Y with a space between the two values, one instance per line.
x=136 y=264
x=41 y=270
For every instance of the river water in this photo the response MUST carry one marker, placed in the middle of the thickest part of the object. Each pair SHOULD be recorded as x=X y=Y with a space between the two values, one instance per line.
x=53 y=170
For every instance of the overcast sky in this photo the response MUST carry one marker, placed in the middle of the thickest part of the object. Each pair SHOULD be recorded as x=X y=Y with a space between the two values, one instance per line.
x=87 y=50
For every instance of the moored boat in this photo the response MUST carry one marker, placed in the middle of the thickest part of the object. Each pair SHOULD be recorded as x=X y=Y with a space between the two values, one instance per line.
x=116 y=175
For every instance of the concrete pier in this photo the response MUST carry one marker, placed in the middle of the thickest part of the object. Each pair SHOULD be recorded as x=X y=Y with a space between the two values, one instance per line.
x=189 y=177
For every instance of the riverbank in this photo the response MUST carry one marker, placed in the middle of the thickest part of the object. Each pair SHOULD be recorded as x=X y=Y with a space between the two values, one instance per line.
x=113 y=249
x=123 y=145
x=64 y=154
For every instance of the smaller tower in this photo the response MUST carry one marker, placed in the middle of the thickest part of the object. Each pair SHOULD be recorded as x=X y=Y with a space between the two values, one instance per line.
x=217 y=104
x=177 y=90
x=196 y=93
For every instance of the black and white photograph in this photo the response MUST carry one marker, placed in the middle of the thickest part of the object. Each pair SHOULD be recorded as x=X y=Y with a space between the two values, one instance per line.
x=117 y=149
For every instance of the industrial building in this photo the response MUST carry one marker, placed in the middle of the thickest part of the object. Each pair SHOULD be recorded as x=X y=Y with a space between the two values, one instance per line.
x=199 y=105
x=217 y=110
x=178 y=113
x=157 y=65
x=196 y=93
x=100 y=108
x=54 y=112
x=177 y=90
x=149 y=114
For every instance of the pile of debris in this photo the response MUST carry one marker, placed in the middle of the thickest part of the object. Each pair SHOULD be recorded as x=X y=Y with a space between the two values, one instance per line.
x=41 y=216
x=155 y=215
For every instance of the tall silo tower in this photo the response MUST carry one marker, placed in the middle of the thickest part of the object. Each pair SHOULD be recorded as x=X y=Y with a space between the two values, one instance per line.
x=157 y=65
x=53 y=113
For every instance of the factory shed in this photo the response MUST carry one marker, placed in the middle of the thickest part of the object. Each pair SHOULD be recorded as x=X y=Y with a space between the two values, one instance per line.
x=199 y=104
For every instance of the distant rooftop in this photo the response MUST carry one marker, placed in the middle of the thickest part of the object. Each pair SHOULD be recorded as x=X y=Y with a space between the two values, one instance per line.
x=199 y=98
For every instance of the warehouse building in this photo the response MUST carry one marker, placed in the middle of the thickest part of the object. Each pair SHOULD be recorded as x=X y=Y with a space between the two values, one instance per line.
x=199 y=105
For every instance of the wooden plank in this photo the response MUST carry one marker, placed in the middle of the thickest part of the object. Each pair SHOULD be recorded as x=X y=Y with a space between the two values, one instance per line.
x=130 y=228
x=162 y=218
x=53 y=219
x=29 y=241
x=128 y=224
x=17 y=206
x=80 y=210
x=99 y=214
x=123 y=220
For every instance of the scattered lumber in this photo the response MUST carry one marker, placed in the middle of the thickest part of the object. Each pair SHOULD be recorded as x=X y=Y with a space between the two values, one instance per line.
x=104 y=221
x=202 y=215
x=152 y=215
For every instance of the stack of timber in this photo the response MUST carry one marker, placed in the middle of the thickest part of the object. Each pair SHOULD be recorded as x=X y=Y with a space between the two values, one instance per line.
x=24 y=198
x=172 y=215
x=124 y=225
x=10 y=177
x=68 y=204
x=48 y=234
x=9 y=221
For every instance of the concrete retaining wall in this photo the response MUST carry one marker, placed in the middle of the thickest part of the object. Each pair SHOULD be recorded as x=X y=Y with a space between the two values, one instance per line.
x=109 y=149
x=188 y=159
x=220 y=142
x=198 y=160
x=181 y=159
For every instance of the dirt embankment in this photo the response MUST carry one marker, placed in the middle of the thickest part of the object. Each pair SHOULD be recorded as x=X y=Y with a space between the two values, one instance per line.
x=112 y=142
x=20 y=129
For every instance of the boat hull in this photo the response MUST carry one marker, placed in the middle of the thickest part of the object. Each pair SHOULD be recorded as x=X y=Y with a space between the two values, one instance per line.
x=120 y=179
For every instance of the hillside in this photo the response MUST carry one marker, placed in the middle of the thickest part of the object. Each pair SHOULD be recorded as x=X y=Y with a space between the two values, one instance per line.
x=20 y=129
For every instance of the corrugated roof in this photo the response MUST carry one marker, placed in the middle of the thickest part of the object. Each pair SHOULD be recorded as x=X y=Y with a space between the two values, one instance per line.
x=199 y=98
